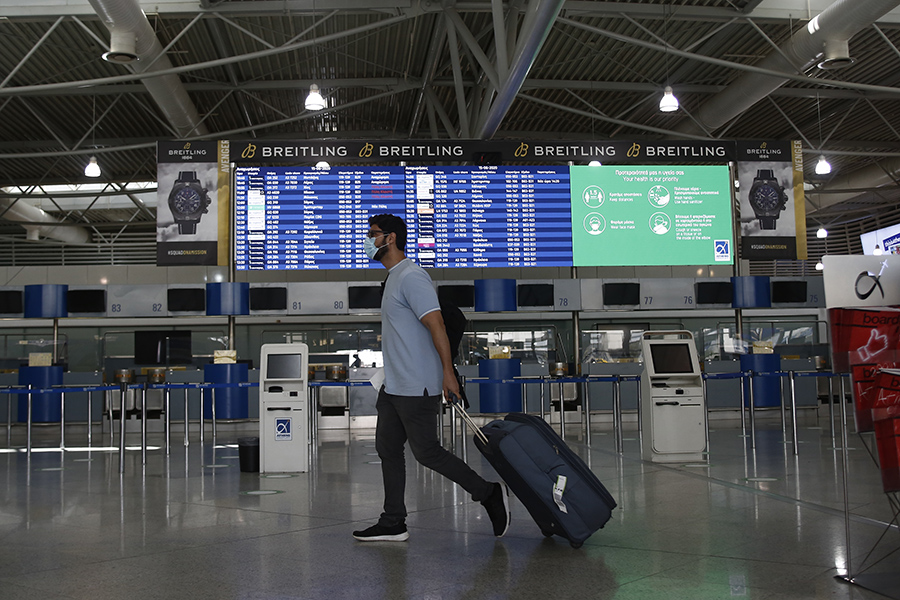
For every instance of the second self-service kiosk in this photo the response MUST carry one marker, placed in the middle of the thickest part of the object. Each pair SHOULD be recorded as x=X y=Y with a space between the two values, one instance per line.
x=284 y=408
x=673 y=409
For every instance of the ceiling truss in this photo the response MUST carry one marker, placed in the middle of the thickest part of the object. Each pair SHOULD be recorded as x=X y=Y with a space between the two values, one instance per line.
x=424 y=69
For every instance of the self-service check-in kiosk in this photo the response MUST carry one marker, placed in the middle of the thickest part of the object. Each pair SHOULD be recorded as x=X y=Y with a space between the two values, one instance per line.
x=673 y=409
x=284 y=408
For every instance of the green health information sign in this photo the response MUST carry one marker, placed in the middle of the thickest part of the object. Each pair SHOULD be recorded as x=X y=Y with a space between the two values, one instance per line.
x=651 y=215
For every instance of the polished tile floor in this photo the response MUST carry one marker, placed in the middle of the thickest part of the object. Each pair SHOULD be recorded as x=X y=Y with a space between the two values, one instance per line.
x=757 y=523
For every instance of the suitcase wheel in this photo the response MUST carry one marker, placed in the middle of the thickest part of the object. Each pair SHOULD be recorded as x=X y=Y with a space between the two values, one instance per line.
x=547 y=533
x=576 y=545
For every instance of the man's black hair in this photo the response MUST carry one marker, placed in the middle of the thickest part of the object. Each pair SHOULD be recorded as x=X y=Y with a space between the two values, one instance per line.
x=391 y=224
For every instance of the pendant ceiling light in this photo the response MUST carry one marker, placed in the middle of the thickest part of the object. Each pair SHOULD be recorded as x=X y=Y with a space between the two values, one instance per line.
x=314 y=101
x=92 y=169
x=668 y=103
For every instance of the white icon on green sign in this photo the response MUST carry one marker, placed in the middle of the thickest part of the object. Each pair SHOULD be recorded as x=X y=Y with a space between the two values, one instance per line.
x=658 y=196
x=593 y=196
x=594 y=223
x=660 y=223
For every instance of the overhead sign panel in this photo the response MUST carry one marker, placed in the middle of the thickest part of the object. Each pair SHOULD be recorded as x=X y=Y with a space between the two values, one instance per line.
x=646 y=215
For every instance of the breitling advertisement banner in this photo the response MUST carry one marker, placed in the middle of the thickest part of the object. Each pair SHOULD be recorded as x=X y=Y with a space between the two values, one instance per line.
x=772 y=209
x=482 y=151
x=193 y=182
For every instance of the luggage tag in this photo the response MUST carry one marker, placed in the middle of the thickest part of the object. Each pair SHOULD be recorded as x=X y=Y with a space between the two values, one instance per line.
x=558 y=488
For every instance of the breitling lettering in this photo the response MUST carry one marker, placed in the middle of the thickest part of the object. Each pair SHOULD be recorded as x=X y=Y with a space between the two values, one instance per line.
x=764 y=152
x=303 y=151
x=686 y=151
x=188 y=153
x=584 y=151
x=418 y=151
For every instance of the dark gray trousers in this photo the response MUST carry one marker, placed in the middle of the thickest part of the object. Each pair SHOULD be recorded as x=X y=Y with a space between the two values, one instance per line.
x=414 y=419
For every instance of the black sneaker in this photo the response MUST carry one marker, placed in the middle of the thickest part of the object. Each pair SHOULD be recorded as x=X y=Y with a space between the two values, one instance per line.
x=380 y=533
x=497 y=507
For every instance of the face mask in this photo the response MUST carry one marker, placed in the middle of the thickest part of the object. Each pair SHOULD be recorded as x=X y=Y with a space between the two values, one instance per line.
x=370 y=247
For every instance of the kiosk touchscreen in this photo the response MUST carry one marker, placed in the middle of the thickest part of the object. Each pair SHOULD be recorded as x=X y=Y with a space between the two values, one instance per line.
x=672 y=358
x=284 y=408
x=673 y=409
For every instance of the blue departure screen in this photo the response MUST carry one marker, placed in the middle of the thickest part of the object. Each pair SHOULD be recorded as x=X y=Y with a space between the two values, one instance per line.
x=470 y=216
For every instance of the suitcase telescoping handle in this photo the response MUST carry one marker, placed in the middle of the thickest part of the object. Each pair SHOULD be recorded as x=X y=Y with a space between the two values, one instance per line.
x=456 y=403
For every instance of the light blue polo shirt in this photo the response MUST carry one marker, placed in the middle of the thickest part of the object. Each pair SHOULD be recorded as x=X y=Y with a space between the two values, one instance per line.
x=411 y=362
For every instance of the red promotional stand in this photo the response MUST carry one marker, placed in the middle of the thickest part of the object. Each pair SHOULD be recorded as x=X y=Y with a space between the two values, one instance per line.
x=866 y=343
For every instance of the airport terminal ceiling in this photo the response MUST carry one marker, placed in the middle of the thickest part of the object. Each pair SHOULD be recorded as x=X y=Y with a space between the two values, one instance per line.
x=417 y=69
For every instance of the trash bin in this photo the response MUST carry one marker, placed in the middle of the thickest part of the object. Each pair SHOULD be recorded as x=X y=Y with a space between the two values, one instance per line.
x=248 y=452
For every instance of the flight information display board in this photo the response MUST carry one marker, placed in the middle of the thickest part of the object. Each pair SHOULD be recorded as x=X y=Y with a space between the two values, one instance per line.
x=651 y=215
x=464 y=216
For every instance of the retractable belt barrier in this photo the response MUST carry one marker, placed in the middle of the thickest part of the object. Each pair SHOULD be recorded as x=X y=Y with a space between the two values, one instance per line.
x=544 y=381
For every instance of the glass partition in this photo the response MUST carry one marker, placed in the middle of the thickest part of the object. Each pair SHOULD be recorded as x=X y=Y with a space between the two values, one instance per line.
x=354 y=347
x=22 y=349
x=531 y=346
x=789 y=338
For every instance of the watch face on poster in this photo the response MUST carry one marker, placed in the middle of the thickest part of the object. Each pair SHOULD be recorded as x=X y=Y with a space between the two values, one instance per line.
x=766 y=193
x=767 y=197
x=186 y=207
x=187 y=200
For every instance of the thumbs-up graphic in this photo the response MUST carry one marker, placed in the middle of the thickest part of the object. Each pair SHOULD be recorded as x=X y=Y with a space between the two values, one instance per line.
x=877 y=343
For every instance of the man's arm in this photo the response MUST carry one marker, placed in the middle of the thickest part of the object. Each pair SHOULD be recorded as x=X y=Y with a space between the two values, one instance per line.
x=435 y=324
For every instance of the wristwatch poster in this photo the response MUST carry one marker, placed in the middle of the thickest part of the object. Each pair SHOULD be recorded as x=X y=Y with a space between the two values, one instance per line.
x=772 y=213
x=191 y=181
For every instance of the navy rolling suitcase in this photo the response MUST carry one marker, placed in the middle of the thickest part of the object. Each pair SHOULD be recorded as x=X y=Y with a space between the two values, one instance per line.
x=561 y=493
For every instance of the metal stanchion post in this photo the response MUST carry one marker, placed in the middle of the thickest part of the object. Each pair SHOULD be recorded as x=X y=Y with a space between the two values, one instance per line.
x=123 y=388
x=586 y=406
x=62 y=421
x=752 y=412
x=90 y=416
x=544 y=384
x=187 y=421
x=108 y=407
x=783 y=409
x=168 y=421
x=562 y=412
x=212 y=410
x=640 y=407
x=28 y=424
x=743 y=407
x=202 y=424
x=311 y=417
x=144 y=424
x=617 y=415
x=845 y=441
x=8 y=419
x=831 y=407
x=794 y=412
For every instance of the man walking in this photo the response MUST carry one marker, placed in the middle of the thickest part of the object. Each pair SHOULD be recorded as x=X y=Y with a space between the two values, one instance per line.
x=418 y=371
